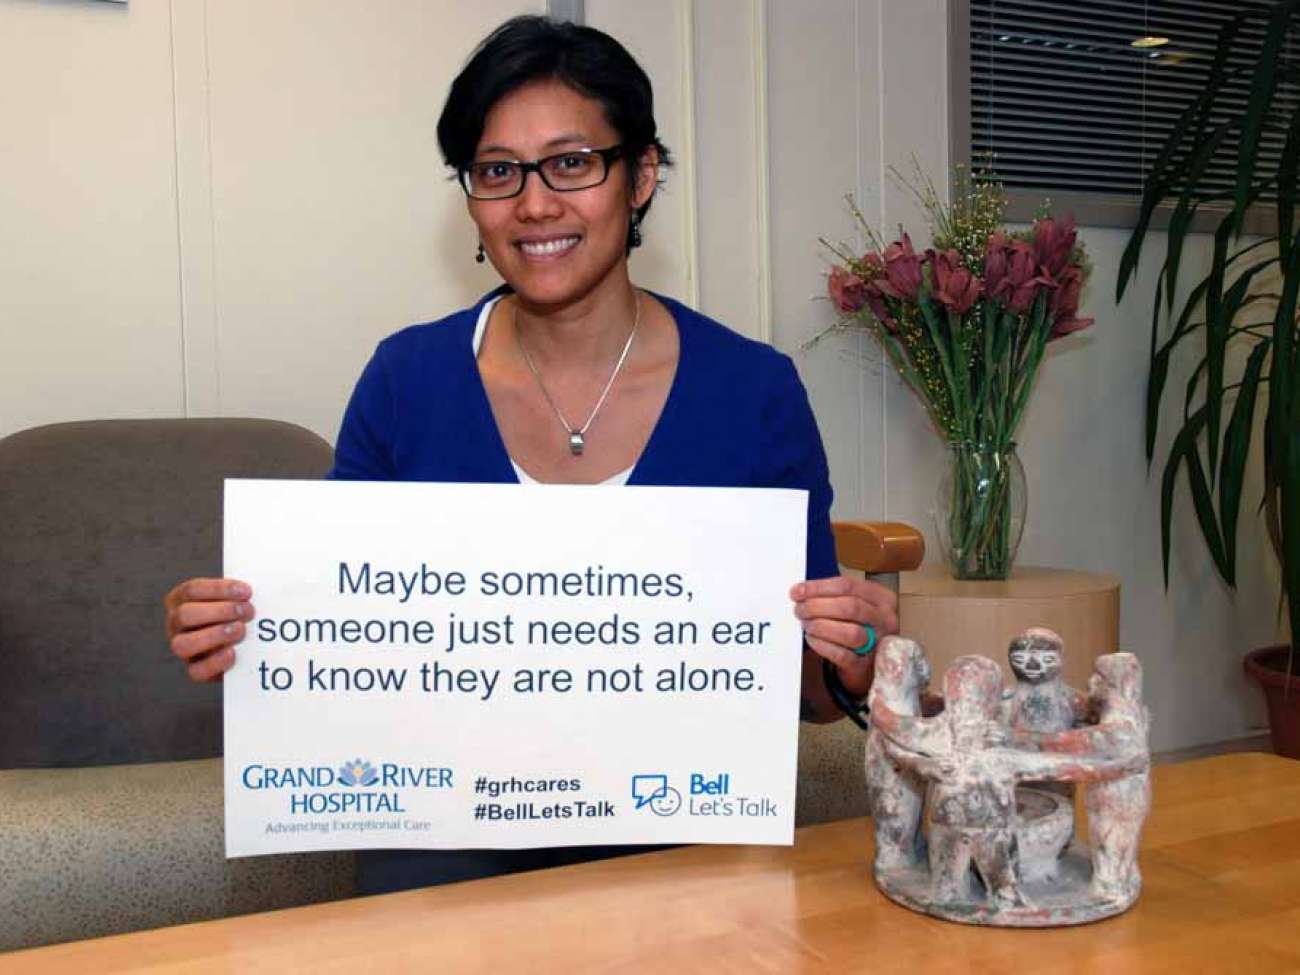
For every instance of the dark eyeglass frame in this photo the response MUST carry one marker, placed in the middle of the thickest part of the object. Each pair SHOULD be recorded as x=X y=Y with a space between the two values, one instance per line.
x=608 y=155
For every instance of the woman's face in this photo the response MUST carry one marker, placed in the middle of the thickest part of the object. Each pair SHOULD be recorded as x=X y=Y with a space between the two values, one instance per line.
x=553 y=248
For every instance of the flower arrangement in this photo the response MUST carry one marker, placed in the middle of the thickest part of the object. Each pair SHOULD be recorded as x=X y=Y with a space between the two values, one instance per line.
x=966 y=324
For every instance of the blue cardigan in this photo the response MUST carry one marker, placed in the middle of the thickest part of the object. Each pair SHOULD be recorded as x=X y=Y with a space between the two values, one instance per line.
x=736 y=416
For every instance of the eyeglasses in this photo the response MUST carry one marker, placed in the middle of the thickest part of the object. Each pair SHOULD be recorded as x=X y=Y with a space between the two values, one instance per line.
x=565 y=172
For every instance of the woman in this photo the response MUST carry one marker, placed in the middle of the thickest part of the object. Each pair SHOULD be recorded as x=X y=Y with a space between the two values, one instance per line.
x=570 y=374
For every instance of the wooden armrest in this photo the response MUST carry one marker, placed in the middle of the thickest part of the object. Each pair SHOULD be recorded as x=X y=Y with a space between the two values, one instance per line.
x=878 y=546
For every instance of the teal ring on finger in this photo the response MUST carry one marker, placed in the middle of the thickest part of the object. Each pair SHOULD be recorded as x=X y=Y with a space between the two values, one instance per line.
x=870 y=645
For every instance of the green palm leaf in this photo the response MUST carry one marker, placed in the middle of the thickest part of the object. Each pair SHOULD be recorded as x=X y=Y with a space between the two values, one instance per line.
x=1220 y=312
x=1284 y=412
x=1261 y=98
x=1205 y=515
x=1236 y=448
x=1163 y=177
x=1215 y=449
x=1184 y=442
x=1181 y=220
x=1288 y=174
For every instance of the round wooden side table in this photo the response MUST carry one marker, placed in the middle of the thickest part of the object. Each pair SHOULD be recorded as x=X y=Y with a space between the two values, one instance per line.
x=950 y=618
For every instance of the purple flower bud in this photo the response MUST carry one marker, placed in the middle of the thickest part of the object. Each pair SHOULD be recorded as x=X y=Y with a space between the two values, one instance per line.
x=902 y=270
x=1065 y=304
x=846 y=290
x=875 y=298
x=1054 y=244
x=955 y=286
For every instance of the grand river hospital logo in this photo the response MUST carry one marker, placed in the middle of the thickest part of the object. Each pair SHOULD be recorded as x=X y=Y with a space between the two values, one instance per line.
x=356 y=786
x=655 y=792
x=357 y=773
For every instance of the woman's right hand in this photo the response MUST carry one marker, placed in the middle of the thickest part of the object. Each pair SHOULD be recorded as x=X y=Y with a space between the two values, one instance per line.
x=205 y=619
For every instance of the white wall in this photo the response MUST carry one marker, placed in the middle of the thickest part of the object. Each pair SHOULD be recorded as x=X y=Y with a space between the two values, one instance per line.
x=848 y=105
x=89 y=290
x=218 y=206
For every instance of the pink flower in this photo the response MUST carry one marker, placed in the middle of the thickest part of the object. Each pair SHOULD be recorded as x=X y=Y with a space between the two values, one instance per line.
x=902 y=270
x=1023 y=281
x=997 y=265
x=1054 y=244
x=1065 y=304
x=846 y=290
x=954 y=285
x=876 y=302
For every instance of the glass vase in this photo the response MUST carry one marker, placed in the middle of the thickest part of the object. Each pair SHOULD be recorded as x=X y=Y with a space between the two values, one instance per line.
x=980 y=510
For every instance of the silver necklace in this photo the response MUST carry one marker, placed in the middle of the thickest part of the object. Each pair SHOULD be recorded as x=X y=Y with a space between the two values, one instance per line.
x=577 y=437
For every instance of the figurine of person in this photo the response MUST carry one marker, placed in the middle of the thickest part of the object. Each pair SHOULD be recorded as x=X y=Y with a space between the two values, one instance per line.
x=974 y=777
x=1041 y=700
x=972 y=798
x=896 y=794
x=1118 y=808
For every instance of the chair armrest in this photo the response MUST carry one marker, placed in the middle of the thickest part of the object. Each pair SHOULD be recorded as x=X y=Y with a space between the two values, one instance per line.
x=878 y=546
x=831 y=774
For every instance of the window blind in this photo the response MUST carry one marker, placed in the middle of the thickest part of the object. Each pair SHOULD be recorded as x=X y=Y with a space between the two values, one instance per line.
x=1080 y=95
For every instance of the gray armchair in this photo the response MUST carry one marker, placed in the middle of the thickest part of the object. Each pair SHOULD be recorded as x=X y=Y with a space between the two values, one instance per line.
x=110 y=784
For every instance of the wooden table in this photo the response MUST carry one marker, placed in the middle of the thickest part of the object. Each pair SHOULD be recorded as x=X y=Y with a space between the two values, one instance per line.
x=1221 y=858
x=951 y=617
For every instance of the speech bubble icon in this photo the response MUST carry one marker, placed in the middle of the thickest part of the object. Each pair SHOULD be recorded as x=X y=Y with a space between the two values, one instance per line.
x=647 y=788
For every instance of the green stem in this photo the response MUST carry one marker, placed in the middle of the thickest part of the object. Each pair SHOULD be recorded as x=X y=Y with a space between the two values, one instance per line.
x=1040 y=329
x=945 y=362
x=980 y=518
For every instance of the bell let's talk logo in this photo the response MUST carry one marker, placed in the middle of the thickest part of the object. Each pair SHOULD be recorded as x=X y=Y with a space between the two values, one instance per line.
x=356 y=786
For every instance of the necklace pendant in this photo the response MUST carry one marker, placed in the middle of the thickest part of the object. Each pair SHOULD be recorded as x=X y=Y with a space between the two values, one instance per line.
x=576 y=443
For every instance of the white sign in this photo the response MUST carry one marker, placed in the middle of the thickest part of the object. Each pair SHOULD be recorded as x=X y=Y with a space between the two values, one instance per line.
x=505 y=666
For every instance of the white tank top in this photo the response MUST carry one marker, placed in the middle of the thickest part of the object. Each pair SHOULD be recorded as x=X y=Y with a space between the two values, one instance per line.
x=480 y=327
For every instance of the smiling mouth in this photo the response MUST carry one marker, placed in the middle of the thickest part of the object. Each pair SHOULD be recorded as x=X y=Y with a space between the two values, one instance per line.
x=546 y=249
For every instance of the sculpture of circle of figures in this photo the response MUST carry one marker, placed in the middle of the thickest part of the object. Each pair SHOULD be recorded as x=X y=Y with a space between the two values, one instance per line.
x=972 y=796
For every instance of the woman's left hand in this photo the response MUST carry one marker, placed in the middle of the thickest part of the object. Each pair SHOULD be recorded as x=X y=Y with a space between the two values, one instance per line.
x=835 y=613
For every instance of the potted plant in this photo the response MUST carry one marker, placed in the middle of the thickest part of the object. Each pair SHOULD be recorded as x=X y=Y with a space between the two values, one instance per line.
x=1245 y=304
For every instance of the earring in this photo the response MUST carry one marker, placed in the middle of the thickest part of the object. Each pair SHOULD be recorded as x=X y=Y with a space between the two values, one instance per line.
x=480 y=257
x=634 y=233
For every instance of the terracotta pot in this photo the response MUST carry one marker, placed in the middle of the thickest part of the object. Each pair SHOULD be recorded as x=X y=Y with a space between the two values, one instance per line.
x=1268 y=665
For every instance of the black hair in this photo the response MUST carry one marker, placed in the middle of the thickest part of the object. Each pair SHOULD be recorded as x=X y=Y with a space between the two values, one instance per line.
x=532 y=48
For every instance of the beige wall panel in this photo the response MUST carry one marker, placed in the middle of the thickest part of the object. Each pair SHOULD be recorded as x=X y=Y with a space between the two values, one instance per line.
x=914 y=124
x=730 y=56
x=913 y=77
x=658 y=36
x=334 y=223
x=817 y=73
x=89 y=304
x=202 y=366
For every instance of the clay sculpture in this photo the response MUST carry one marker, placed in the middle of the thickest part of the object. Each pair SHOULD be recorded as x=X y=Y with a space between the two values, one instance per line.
x=991 y=775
